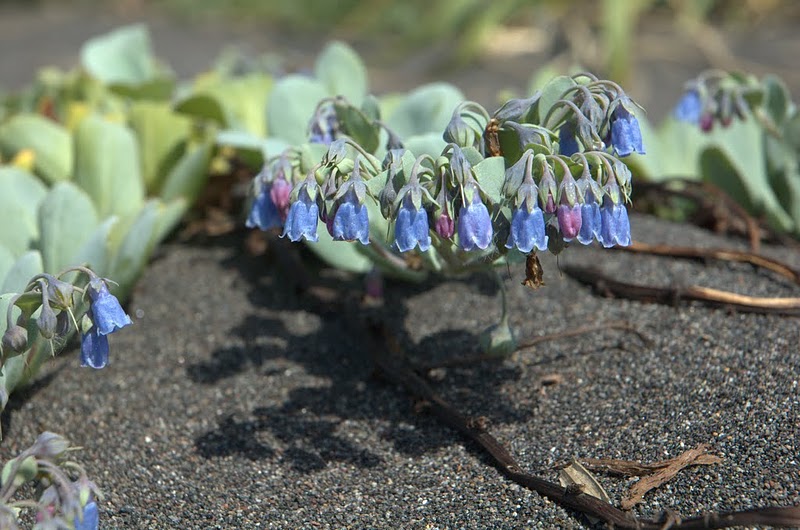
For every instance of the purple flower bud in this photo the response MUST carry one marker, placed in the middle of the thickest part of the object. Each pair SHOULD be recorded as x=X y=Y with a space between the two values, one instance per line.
x=301 y=221
x=15 y=339
x=411 y=228
x=515 y=109
x=527 y=228
x=474 y=225
x=550 y=204
x=46 y=322
x=94 y=349
x=49 y=445
x=280 y=193
x=569 y=220
x=60 y=293
x=626 y=137
x=459 y=132
x=445 y=226
x=706 y=122
x=106 y=312
x=616 y=228
x=351 y=221
x=689 y=107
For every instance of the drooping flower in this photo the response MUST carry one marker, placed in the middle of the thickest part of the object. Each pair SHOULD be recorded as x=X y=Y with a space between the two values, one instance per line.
x=90 y=519
x=264 y=214
x=445 y=226
x=280 y=195
x=324 y=125
x=569 y=220
x=568 y=212
x=351 y=221
x=94 y=349
x=626 y=136
x=615 y=226
x=411 y=228
x=106 y=312
x=591 y=222
x=689 y=108
x=301 y=221
x=567 y=143
x=474 y=224
x=527 y=228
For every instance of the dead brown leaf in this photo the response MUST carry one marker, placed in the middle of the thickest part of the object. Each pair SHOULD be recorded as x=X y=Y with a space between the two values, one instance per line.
x=653 y=475
x=629 y=468
x=533 y=272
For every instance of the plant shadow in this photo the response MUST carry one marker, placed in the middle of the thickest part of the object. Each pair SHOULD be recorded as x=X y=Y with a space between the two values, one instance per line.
x=304 y=429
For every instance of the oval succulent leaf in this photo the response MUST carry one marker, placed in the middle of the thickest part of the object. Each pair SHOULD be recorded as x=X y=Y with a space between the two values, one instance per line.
x=50 y=142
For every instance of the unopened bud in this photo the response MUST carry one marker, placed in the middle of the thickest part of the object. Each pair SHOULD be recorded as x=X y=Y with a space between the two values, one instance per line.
x=15 y=339
x=46 y=322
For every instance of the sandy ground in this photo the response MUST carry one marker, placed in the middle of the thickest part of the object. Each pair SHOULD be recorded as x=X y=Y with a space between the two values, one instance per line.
x=232 y=403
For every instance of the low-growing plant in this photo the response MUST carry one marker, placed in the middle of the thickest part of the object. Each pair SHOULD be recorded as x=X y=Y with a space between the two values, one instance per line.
x=39 y=319
x=97 y=166
x=537 y=174
x=739 y=133
x=429 y=183
x=63 y=495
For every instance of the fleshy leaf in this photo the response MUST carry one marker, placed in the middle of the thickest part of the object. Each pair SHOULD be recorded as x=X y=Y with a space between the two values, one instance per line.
x=337 y=254
x=243 y=100
x=204 y=106
x=743 y=180
x=342 y=72
x=251 y=148
x=20 y=195
x=551 y=93
x=51 y=143
x=430 y=143
x=26 y=267
x=67 y=219
x=778 y=100
x=188 y=177
x=169 y=215
x=6 y=262
x=130 y=242
x=123 y=56
x=291 y=105
x=424 y=110
x=358 y=127
x=160 y=132
x=107 y=166
x=95 y=252
x=491 y=174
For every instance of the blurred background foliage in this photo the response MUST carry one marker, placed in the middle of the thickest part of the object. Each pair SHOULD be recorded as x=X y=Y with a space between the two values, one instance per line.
x=598 y=34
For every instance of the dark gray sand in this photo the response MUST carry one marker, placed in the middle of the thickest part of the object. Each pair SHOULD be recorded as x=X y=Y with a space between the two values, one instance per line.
x=229 y=404
x=232 y=403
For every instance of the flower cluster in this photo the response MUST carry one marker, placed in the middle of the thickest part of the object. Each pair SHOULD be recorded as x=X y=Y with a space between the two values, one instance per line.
x=67 y=496
x=50 y=305
x=715 y=97
x=536 y=175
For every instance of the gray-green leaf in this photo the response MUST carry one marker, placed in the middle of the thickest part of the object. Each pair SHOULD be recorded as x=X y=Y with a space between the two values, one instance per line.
x=67 y=219
x=107 y=166
x=291 y=105
x=26 y=267
x=51 y=143
x=123 y=56
x=20 y=195
x=342 y=72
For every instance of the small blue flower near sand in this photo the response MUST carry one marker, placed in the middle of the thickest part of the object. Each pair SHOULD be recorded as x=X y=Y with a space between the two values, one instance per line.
x=91 y=518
